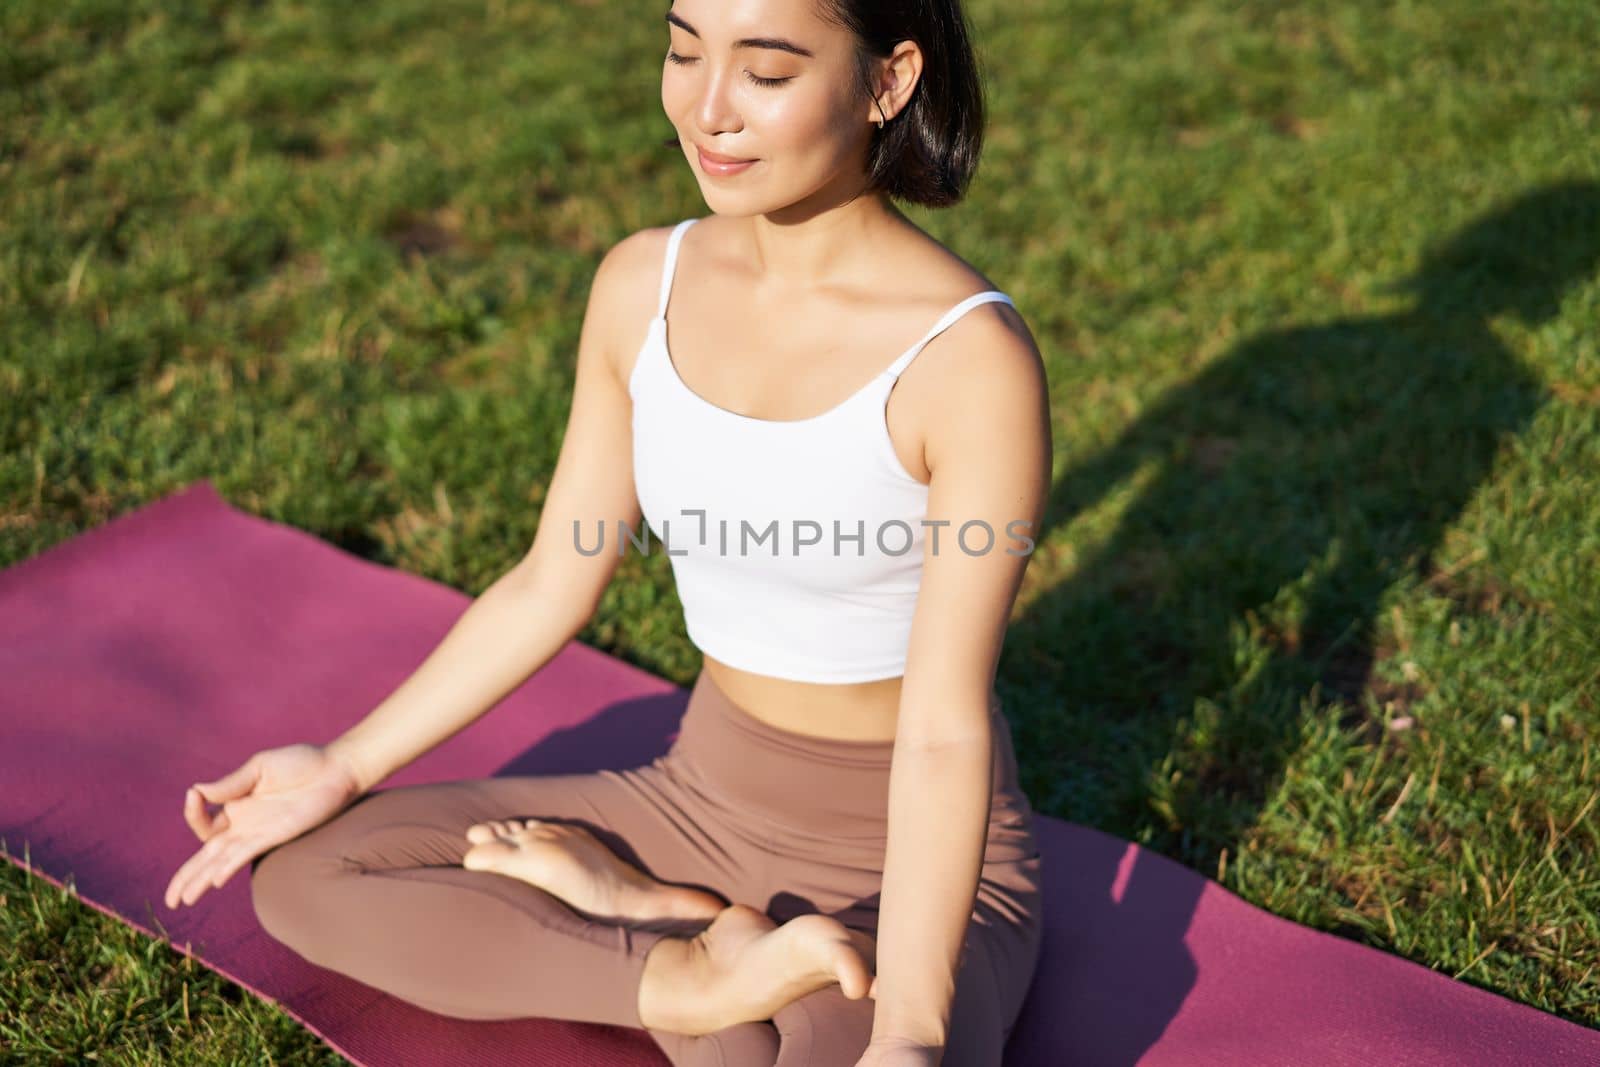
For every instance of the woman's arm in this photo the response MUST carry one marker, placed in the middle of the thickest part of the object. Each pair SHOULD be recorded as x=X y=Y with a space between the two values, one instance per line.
x=990 y=459
x=529 y=614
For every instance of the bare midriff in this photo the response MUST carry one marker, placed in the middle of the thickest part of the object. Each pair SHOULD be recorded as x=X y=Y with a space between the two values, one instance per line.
x=856 y=711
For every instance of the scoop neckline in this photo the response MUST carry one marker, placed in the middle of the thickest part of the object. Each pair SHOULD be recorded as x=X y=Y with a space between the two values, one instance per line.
x=659 y=324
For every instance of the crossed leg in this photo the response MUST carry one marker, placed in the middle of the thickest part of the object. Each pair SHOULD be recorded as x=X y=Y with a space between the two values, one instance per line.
x=379 y=893
x=999 y=955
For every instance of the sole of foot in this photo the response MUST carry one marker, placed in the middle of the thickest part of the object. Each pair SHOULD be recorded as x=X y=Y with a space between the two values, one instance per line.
x=744 y=967
x=572 y=864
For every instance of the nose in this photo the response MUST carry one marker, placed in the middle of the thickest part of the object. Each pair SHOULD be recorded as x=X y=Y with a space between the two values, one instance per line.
x=715 y=110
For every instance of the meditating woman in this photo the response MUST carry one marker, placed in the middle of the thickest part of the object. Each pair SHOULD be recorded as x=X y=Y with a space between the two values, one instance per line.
x=834 y=863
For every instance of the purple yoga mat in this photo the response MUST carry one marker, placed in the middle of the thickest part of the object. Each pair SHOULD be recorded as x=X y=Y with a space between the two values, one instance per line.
x=165 y=646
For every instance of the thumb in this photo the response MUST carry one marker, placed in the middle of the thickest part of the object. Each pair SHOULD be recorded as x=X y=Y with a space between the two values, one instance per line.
x=232 y=785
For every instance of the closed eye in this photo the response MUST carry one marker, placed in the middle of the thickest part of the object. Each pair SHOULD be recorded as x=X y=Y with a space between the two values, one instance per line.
x=756 y=78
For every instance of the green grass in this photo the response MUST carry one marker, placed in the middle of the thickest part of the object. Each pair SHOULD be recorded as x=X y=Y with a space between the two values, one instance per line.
x=1318 y=607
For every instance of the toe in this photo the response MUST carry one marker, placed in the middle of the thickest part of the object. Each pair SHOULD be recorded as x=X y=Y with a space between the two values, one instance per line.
x=851 y=971
x=865 y=944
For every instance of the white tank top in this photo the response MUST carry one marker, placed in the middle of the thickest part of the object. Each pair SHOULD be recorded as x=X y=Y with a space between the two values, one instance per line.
x=796 y=545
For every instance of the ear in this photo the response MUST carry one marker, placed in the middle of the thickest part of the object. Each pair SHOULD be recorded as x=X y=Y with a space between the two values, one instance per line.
x=893 y=79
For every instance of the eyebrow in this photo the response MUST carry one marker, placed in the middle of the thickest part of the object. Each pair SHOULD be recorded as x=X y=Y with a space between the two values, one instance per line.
x=777 y=44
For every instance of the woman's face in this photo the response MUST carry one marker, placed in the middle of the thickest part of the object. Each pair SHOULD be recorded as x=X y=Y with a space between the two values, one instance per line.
x=800 y=117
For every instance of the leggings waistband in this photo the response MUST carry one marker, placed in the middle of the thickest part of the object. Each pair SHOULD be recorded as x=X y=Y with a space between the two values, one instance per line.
x=811 y=785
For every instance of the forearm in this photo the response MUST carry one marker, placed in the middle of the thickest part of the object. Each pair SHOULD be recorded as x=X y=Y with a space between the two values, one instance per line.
x=939 y=798
x=508 y=632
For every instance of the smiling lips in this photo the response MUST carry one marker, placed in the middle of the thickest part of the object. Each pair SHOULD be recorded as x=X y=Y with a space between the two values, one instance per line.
x=715 y=158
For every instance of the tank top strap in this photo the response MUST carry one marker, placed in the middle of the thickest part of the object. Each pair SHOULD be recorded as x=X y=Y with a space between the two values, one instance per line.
x=944 y=323
x=670 y=266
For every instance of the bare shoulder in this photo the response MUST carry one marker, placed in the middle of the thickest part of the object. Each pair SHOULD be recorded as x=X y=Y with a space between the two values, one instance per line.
x=987 y=357
x=622 y=296
x=999 y=330
x=985 y=391
x=988 y=340
x=995 y=323
x=638 y=254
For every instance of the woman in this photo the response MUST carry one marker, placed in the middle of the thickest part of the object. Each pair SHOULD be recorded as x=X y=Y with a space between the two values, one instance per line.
x=768 y=891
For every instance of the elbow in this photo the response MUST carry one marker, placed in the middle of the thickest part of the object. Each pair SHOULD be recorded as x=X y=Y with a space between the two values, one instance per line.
x=946 y=715
x=974 y=736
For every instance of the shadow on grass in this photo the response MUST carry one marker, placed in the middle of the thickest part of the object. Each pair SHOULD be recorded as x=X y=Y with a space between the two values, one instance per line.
x=1275 y=497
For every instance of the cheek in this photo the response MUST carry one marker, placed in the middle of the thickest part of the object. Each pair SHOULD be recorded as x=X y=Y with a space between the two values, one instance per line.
x=675 y=97
x=796 y=123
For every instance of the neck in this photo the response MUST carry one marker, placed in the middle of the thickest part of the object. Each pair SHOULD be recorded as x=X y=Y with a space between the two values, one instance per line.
x=793 y=251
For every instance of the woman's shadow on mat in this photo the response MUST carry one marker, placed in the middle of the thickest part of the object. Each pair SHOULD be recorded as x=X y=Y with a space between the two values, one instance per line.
x=1274 y=498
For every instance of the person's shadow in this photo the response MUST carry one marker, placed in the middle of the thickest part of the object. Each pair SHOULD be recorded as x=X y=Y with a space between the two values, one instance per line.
x=1272 y=502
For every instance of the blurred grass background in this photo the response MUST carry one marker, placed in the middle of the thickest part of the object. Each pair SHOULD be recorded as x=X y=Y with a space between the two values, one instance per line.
x=1317 y=609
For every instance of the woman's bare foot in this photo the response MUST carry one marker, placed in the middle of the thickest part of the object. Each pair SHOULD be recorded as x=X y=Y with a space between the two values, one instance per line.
x=743 y=967
x=571 y=863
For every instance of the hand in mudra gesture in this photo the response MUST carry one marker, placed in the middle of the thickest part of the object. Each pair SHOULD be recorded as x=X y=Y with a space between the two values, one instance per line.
x=276 y=795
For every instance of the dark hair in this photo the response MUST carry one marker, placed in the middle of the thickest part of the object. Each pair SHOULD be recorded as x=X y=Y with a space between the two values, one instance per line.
x=928 y=153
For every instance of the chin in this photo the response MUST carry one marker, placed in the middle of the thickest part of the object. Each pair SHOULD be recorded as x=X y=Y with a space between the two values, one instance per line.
x=720 y=203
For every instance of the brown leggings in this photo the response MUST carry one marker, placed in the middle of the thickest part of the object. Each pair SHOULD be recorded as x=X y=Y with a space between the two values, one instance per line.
x=786 y=823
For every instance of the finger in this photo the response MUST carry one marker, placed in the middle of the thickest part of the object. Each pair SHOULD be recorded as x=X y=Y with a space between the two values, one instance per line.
x=198 y=885
x=180 y=892
x=213 y=874
x=192 y=871
x=234 y=785
x=180 y=879
x=243 y=854
x=192 y=894
x=222 y=867
x=175 y=888
x=170 y=897
x=196 y=815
